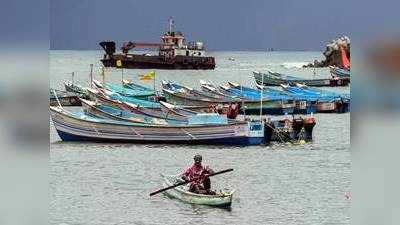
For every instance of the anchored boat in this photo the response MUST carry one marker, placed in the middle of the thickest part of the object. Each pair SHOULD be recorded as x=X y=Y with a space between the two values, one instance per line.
x=173 y=53
x=77 y=126
x=276 y=79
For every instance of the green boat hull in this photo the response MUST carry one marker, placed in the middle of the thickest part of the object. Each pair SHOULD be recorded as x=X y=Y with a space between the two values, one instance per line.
x=222 y=200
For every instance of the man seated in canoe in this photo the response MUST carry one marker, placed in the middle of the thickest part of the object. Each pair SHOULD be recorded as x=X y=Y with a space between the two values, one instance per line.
x=197 y=172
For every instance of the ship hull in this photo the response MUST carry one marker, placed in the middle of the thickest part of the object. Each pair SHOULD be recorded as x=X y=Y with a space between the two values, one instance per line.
x=132 y=61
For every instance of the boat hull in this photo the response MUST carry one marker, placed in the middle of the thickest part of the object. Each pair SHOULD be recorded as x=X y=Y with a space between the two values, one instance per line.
x=220 y=200
x=72 y=128
x=133 y=61
x=274 y=81
x=248 y=107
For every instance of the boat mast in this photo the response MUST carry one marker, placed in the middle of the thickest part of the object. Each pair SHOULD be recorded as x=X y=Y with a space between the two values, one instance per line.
x=91 y=75
x=72 y=77
x=261 y=96
x=170 y=23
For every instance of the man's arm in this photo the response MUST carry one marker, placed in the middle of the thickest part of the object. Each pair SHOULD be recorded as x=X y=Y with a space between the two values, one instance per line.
x=208 y=170
x=185 y=174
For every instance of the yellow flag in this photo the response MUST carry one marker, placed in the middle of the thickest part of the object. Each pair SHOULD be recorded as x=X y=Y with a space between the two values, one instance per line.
x=152 y=74
x=148 y=76
x=119 y=63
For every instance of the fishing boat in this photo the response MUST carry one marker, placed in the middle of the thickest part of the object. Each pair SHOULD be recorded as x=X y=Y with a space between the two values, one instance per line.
x=340 y=72
x=76 y=88
x=221 y=199
x=211 y=89
x=64 y=98
x=286 y=130
x=173 y=86
x=267 y=106
x=302 y=105
x=78 y=126
x=126 y=92
x=276 y=79
x=107 y=111
x=100 y=97
x=326 y=102
x=132 y=85
x=324 y=92
x=176 y=111
x=129 y=99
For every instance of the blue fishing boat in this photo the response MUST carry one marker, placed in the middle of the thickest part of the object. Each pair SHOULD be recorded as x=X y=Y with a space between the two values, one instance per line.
x=130 y=99
x=99 y=97
x=177 y=111
x=174 y=86
x=326 y=102
x=108 y=111
x=131 y=85
x=340 y=72
x=126 y=92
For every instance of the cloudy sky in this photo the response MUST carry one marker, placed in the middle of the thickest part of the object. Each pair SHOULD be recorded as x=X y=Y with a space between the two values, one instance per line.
x=221 y=24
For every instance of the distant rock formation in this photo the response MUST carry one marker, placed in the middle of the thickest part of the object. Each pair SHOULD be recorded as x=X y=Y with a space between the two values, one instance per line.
x=332 y=53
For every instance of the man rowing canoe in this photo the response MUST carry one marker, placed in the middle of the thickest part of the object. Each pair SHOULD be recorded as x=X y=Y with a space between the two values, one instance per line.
x=196 y=172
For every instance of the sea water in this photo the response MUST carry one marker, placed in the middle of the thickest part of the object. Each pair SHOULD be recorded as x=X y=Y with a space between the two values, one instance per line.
x=99 y=183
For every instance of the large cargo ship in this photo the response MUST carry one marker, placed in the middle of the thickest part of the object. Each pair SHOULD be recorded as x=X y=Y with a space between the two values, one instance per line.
x=173 y=53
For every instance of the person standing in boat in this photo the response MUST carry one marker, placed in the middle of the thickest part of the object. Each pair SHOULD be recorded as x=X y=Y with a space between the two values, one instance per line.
x=197 y=172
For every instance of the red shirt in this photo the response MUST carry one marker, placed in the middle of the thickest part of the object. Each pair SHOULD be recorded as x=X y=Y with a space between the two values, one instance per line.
x=196 y=172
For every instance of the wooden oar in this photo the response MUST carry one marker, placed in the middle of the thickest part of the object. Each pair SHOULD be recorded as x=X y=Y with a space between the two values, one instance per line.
x=186 y=182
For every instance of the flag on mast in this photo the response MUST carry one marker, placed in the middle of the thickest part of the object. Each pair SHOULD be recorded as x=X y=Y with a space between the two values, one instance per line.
x=119 y=63
x=148 y=76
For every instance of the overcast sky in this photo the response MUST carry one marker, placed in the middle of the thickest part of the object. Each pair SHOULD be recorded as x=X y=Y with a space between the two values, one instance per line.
x=221 y=24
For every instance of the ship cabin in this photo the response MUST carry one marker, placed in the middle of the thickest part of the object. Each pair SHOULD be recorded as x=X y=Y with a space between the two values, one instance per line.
x=174 y=44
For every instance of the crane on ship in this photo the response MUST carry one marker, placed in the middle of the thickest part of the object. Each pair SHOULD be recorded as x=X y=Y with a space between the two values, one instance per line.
x=168 y=40
x=126 y=46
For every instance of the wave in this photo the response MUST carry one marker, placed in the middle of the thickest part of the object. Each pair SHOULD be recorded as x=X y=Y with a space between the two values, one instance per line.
x=292 y=65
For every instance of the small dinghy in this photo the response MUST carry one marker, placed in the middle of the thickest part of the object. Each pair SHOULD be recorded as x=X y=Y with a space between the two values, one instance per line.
x=221 y=199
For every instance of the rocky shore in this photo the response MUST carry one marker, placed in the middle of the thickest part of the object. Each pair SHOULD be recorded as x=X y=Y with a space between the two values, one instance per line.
x=332 y=53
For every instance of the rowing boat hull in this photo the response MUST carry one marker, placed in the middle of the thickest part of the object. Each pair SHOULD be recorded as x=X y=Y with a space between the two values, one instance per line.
x=71 y=127
x=223 y=200
x=269 y=80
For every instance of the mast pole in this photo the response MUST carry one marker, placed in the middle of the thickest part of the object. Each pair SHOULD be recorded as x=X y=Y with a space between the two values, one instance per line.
x=91 y=75
x=154 y=88
x=170 y=24
x=122 y=80
x=261 y=98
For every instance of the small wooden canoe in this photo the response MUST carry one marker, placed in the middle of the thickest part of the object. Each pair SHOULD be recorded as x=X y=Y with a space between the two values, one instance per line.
x=223 y=199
